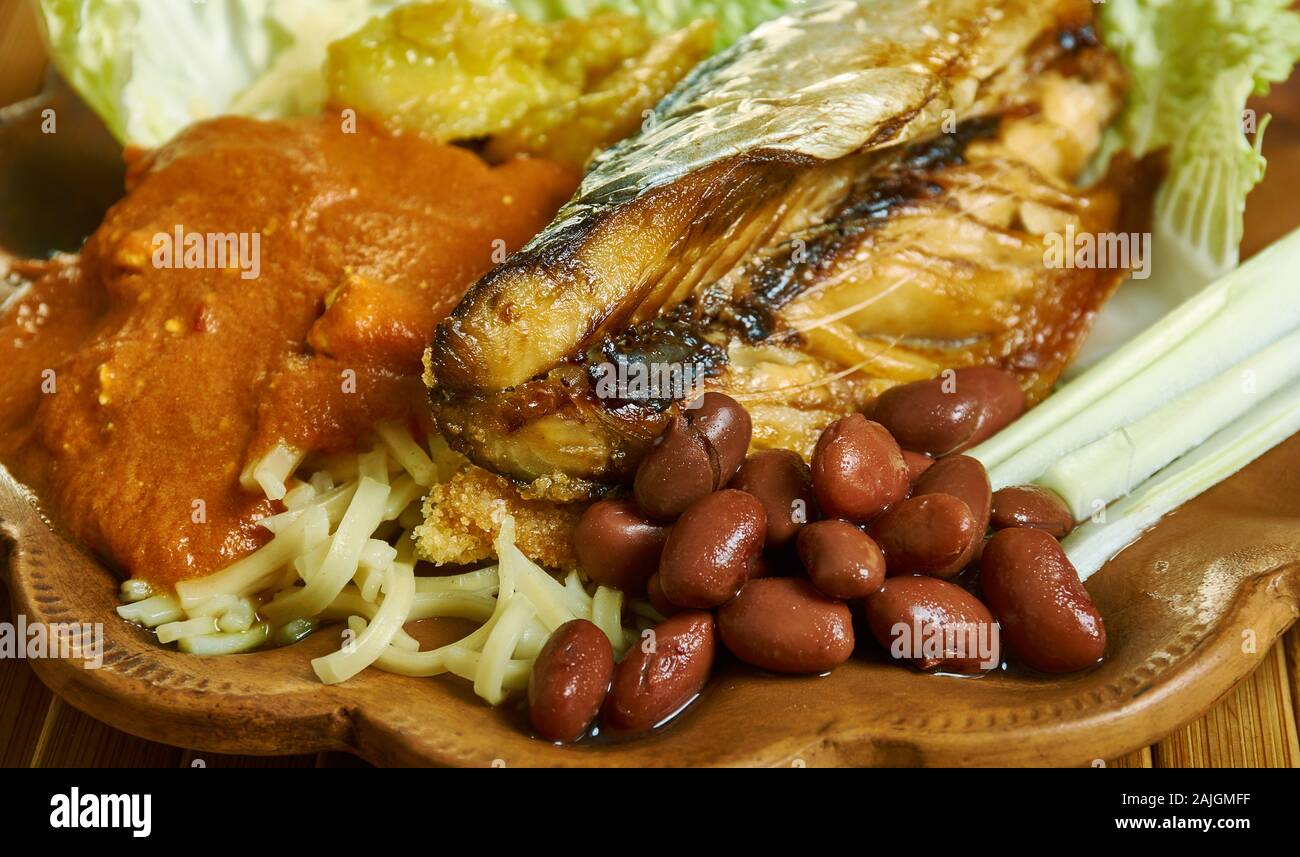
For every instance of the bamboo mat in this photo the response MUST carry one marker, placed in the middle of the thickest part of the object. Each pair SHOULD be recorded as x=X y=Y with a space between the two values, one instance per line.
x=1253 y=725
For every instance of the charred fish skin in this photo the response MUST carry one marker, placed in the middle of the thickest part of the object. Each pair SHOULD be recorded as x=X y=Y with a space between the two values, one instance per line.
x=816 y=265
x=826 y=81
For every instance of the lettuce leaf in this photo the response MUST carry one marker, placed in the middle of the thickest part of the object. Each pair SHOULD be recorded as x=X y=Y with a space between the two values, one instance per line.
x=149 y=68
x=1192 y=65
x=733 y=17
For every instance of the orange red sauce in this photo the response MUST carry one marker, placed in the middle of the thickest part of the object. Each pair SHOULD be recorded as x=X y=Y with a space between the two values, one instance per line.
x=134 y=395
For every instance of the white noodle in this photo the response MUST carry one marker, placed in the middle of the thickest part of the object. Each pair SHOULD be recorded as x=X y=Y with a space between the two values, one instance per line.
x=370 y=643
x=607 y=615
x=226 y=644
x=334 y=536
x=272 y=471
x=153 y=611
x=498 y=649
x=405 y=491
x=408 y=453
x=246 y=576
x=363 y=515
x=198 y=626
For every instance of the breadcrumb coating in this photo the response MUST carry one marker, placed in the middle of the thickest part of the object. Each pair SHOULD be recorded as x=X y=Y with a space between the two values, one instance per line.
x=464 y=514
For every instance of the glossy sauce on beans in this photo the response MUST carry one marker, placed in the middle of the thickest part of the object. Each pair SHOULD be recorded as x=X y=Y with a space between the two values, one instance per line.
x=932 y=534
x=726 y=428
x=1034 y=507
x=699 y=452
x=785 y=625
x=907 y=609
x=676 y=472
x=661 y=674
x=711 y=549
x=858 y=470
x=659 y=601
x=1047 y=617
x=618 y=547
x=917 y=463
x=569 y=680
x=966 y=479
x=782 y=482
x=841 y=560
x=952 y=412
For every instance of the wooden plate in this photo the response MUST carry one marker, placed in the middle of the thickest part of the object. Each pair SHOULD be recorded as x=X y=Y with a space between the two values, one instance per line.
x=1190 y=610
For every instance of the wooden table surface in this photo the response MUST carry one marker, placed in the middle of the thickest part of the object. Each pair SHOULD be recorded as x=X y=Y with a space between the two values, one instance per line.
x=1252 y=726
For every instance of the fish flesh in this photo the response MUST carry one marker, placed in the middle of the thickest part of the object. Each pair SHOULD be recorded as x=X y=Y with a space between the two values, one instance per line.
x=853 y=196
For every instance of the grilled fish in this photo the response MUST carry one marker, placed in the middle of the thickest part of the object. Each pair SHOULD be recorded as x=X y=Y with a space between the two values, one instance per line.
x=844 y=200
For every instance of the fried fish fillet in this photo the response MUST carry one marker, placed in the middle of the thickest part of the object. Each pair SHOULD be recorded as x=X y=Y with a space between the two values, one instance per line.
x=843 y=201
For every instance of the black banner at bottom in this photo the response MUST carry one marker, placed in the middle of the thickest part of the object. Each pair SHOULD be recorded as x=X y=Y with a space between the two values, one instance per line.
x=328 y=807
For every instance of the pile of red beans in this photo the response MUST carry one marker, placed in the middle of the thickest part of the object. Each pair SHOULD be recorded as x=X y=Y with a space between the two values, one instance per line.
x=767 y=555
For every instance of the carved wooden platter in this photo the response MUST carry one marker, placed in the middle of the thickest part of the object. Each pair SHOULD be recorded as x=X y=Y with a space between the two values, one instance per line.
x=1190 y=610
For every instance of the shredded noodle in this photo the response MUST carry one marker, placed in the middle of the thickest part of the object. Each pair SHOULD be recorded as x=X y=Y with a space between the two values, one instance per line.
x=342 y=550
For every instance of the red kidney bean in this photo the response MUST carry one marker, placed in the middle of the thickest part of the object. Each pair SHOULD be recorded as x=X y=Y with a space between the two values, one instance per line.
x=841 y=560
x=1032 y=506
x=699 y=452
x=917 y=463
x=950 y=413
x=933 y=534
x=677 y=471
x=569 y=681
x=858 y=470
x=933 y=624
x=760 y=567
x=726 y=427
x=785 y=625
x=654 y=593
x=712 y=549
x=783 y=483
x=927 y=416
x=966 y=479
x=1047 y=616
x=661 y=673
x=616 y=546
x=1001 y=398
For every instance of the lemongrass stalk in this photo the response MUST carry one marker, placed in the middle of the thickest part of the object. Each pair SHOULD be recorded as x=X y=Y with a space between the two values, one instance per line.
x=1114 y=465
x=1108 y=374
x=1246 y=310
x=1091 y=545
